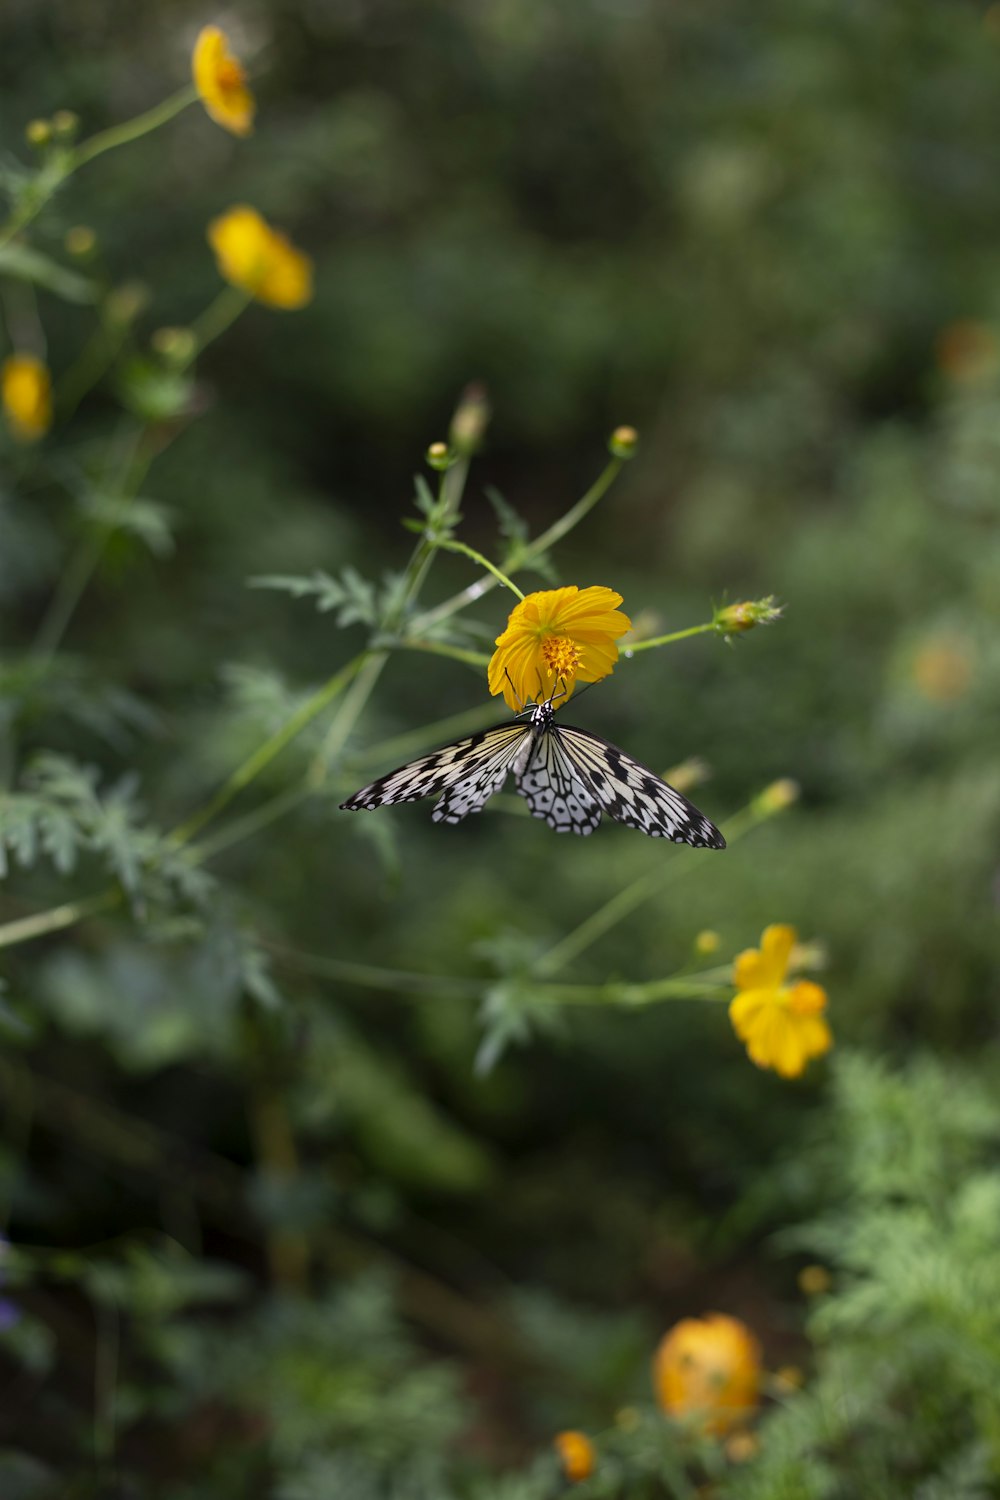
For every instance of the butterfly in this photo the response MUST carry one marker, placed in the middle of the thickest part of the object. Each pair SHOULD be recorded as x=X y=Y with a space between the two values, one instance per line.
x=569 y=777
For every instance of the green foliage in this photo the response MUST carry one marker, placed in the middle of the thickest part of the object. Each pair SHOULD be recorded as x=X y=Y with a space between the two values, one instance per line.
x=355 y=1156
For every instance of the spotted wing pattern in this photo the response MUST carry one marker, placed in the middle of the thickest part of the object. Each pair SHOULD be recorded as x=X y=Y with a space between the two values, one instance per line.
x=554 y=788
x=629 y=792
x=463 y=775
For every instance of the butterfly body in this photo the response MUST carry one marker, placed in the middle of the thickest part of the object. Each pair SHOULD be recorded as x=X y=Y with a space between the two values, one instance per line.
x=568 y=776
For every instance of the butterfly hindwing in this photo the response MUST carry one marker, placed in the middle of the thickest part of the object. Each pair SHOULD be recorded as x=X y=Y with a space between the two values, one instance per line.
x=466 y=773
x=554 y=790
x=634 y=795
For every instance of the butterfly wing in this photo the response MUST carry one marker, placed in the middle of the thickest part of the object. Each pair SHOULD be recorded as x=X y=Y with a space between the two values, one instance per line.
x=633 y=794
x=464 y=775
x=554 y=789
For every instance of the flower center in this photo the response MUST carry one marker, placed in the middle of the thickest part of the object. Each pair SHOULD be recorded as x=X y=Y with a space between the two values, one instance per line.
x=230 y=74
x=562 y=656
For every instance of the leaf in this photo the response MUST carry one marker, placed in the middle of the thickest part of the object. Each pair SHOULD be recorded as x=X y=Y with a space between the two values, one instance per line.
x=351 y=596
x=26 y=264
x=152 y=391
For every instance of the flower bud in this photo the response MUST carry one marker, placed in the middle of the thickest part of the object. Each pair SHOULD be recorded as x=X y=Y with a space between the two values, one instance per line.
x=776 y=797
x=689 y=774
x=788 y=1378
x=178 y=345
x=470 y=419
x=707 y=943
x=38 y=132
x=65 y=124
x=733 y=619
x=439 y=456
x=623 y=442
x=80 y=241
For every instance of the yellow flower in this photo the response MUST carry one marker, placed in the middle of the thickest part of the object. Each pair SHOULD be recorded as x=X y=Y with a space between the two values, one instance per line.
x=221 y=82
x=708 y=1369
x=27 y=397
x=555 y=637
x=579 y=1457
x=259 y=260
x=781 y=1024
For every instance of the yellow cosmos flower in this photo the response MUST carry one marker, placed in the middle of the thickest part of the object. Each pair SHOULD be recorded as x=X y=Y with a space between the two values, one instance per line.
x=781 y=1024
x=221 y=82
x=579 y=1457
x=26 y=388
x=708 y=1370
x=555 y=637
x=260 y=261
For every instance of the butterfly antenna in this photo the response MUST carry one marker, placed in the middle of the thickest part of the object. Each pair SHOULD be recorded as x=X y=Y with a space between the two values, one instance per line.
x=514 y=690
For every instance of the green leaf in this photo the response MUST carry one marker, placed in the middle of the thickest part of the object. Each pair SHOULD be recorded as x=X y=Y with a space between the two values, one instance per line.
x=351 y=596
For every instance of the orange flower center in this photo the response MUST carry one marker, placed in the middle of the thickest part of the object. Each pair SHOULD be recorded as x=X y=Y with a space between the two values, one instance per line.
x=562 y=656
x=230 y=75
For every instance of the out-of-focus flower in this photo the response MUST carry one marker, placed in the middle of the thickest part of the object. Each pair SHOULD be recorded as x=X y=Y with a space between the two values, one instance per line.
x=578 y=1455
x=26 y=388
x=942 y=669
x=259 y=260
x=814 y=1280
x=707 y=943
x=65 y=124
x=788 y=1378
x=178 y=345
x=555 y=638
x=221 y=81
x=968 y=352
x=689 y=774
x=38 y=132
x=733 y=619
x=781 y=1024
x=741 y=1447
x=708 y=1370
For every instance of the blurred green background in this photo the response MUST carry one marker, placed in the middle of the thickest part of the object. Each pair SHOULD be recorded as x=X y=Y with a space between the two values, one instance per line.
x=288 y=1240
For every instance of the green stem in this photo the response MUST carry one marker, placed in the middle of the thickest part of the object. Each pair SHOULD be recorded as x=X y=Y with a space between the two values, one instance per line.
x=450 y=545
x=440 y=648
x=73 y=583
x=131 y=130
x=370 y=976
x=52 y=178
x=220 y=314
x=626 y=901
x=265 y=753
x=628 y=649
x=534 y=549
x=41 y=923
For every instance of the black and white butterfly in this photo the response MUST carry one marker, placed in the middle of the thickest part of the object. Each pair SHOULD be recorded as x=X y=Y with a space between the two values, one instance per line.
x=567 y=776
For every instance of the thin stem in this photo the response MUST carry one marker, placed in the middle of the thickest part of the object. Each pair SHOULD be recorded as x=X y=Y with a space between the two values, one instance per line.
x=131 y=130
x=628 y=649
x=627 y=900
x=73 y=583
x=370 y=976
x=56 y=171
x=534 y=549
x=450 y=545
x=441 y=648
x=220 y=314
x=41 y=923
x=265 y=753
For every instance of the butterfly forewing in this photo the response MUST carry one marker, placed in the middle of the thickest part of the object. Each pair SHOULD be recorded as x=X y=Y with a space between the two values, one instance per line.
x=467 y=773
x=634 y=795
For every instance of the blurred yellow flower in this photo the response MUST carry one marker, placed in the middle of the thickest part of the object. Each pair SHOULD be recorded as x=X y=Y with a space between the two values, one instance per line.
x=554 y=638
x=942 y=669
x=26 y=388
x=708 y=1369
x=781 y=1024
x=221 y=82
x=579 y=1457
x=260 y=261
